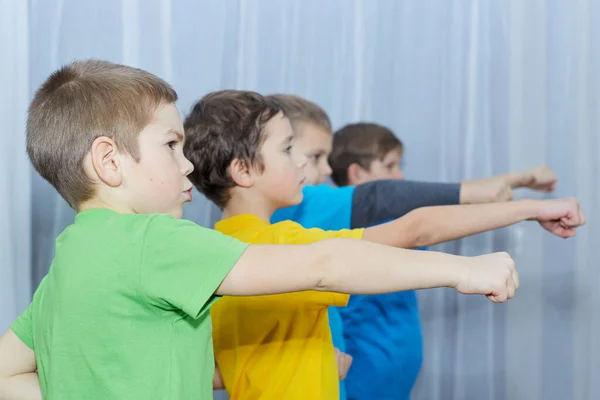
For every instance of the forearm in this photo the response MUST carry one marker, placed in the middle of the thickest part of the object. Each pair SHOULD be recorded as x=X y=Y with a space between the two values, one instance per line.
x=433 y=225
x=500 y=187
x=380 y=201
x=339 y=265
x=20 y=387
x=518 y=179
x=513 y=179
x=368 y=268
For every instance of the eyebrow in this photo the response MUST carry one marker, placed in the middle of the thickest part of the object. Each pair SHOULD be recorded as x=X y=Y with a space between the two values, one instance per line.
x=288 y=139
x=176 y=133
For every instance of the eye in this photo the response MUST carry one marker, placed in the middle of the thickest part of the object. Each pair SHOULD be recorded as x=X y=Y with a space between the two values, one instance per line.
x=172 y=144
x=316 y=157
x=288 y=149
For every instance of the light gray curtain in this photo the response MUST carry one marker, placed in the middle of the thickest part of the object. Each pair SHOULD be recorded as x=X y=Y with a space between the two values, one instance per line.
x=473 y=88
x=15 y=187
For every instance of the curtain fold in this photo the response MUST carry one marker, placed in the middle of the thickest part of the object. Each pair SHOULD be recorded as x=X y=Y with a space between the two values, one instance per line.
x=15 y=187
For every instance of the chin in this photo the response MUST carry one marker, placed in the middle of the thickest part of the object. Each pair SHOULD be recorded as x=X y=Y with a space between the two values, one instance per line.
x=291 y=202
x=298 y=199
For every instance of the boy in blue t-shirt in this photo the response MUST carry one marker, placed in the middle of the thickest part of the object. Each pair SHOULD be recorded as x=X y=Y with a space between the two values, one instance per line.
x=376 y=200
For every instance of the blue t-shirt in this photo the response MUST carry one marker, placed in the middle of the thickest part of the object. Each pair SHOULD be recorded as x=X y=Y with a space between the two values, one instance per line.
x=383 y=335
x=323 y=207
x=382 y=332
x=330 y=209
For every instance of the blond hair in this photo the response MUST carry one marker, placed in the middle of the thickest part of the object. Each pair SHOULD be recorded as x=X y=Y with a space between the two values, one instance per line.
x=298 y=109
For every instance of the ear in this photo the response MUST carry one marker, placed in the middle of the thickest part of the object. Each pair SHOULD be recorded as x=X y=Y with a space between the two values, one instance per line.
x=356 y=174
x=241 y=174
x=106 y=161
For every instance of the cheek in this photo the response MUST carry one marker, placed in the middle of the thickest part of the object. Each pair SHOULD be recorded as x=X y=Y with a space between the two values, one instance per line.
x=289 y=176
x=310 y=169
x=380 y=174
x=162 y=174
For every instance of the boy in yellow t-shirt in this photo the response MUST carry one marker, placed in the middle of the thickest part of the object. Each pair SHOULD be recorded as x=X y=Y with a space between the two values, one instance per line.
x=279 y=346
x=289 y=331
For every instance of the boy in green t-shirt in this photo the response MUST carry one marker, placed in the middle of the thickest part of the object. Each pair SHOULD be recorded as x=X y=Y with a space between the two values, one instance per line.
x=123 y=311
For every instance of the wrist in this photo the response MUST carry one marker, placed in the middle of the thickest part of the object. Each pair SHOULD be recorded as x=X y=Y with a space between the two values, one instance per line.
x=453 y=271
x=518 y=179
x=465 y=195
x=527 y=210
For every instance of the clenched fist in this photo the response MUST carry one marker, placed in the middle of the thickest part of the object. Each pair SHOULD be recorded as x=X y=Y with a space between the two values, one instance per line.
x=493 y=275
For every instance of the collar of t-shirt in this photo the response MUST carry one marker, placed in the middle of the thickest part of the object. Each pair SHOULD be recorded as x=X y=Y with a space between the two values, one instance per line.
x=233 y=224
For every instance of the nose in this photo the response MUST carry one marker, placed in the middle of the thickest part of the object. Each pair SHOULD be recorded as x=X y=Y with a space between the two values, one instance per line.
x=301 y=159
x=327 y=169
x=186 y=167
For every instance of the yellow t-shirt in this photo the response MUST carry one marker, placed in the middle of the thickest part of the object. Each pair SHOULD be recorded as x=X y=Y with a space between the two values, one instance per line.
x=277 y=347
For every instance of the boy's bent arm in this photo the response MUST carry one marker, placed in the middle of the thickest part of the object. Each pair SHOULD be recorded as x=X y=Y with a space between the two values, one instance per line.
x=18 y=379
x=380 y=201
x=432 y=225
x=359 y=267
x=540 y=178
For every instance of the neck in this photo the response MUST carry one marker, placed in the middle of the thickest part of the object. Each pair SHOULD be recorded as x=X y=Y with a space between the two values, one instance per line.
x=240 y=204
x=94 y=203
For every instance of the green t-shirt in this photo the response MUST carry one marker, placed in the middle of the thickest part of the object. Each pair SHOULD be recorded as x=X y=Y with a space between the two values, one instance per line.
x=124 y=310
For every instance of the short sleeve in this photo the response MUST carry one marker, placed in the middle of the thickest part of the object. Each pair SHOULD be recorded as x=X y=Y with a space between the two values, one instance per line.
x=323 y=206
x=23 y=328
x=23 y=325
x=380 y=201
x=289 y=232
x=183 y=264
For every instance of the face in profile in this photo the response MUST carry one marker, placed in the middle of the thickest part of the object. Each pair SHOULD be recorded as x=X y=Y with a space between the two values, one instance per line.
x=282 y=178
x=388 y=167
x=157 y=182
x=315 y=142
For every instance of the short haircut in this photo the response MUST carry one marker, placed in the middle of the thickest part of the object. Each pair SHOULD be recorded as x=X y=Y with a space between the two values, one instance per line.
x=361 y=144
x=81 y=102
x=224 y=126
x=298 y=109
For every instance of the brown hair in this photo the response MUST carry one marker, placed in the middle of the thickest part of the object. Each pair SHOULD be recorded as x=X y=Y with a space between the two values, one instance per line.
x=298 y=109
x=361 y=144
x=224 y=126
x=81 y=102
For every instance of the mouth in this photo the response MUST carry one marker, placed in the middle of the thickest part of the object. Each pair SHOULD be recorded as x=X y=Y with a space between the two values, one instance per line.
x=302 y=181
x=188 y=194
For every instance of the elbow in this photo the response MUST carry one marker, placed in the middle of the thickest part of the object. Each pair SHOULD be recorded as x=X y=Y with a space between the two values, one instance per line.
x=423 y=240
x=422 y=236
x=327 y=264
x=414 y=232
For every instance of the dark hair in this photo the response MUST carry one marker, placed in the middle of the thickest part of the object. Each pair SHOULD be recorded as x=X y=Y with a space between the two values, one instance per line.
x=224 y=126
x=81 y=102
x=361 y=144
x=298 y=109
